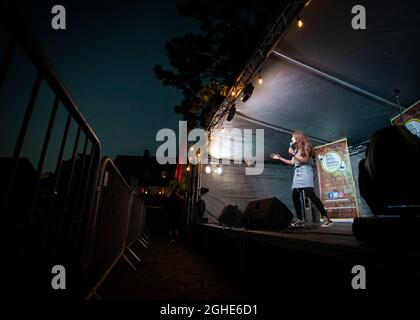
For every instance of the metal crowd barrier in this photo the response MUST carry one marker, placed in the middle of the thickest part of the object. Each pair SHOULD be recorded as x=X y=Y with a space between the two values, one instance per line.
x=118 y=221
x=84 y=214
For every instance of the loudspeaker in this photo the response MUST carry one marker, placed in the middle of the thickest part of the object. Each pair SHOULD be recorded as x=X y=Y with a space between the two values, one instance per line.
x=388 y=182
x=231 y=216
x=268 y=213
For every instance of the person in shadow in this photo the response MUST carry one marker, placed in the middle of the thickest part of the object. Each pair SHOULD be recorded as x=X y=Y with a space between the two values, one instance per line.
x=176 y=201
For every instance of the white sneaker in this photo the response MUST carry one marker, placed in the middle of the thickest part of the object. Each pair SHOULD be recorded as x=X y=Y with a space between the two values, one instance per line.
x=327 y=223
x=298 y=224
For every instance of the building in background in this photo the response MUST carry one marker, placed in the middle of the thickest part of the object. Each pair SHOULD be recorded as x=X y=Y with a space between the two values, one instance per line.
x=146 y=175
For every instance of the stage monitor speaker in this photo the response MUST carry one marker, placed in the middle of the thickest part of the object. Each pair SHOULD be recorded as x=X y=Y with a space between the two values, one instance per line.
x=268 y=213
x=231 y=216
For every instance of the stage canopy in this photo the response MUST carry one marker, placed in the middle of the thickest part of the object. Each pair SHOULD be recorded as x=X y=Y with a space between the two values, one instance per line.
x=332 y=81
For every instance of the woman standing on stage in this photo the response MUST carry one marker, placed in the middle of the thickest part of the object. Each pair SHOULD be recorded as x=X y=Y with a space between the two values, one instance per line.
x=303 y=155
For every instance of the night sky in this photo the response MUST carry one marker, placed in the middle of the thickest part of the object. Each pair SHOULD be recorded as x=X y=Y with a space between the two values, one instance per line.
x=105 y=58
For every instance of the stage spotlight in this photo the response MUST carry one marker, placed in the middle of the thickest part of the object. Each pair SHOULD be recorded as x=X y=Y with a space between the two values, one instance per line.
x=208 y=169
x=232 y=111
x=219 y=170
x=300 y=22
x=249 y=88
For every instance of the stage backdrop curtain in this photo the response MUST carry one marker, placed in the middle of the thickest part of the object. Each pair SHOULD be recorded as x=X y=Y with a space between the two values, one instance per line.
x=236 y=188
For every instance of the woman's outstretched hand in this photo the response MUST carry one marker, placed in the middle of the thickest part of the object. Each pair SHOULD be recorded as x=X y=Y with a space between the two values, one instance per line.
x=275 y=156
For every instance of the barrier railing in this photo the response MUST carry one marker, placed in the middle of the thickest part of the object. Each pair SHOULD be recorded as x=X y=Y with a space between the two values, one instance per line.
x=118 y=221
x=83 y=214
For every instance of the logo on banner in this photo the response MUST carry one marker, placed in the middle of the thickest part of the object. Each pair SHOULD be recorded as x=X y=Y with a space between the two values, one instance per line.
x=331 y=162
x=410 y=118
x=414 y=126
x=334 y=195
x=336 y=185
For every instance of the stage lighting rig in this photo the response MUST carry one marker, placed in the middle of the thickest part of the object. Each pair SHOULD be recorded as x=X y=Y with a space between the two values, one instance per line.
x=248 y=90
x=232 y=111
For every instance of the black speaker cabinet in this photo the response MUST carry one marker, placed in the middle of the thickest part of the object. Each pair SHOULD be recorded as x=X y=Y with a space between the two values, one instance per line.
x=268 y=213
x=231 y=216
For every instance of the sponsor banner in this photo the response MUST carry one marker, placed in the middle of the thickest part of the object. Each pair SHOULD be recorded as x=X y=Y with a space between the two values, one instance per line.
x=337 y=191
x=410 y=118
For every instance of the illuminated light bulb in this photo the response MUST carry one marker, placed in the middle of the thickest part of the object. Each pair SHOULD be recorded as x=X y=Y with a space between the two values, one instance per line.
x=192 y=148
x=260 y=80
x=219 y=170
x=188 y=168
x=233 y=93
x=208 y=169
x=300 y=23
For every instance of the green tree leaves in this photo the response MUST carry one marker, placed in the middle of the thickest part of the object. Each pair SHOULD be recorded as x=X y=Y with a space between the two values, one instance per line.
x=204 y=65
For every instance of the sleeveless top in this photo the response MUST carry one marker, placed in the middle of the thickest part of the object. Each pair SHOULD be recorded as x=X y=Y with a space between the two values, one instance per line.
x=303 y=176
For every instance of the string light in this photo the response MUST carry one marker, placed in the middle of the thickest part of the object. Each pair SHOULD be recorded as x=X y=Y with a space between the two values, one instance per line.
x=260 y=79
x=300 y=22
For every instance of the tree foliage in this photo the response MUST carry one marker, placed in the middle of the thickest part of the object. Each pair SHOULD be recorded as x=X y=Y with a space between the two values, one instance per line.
x=205 y=64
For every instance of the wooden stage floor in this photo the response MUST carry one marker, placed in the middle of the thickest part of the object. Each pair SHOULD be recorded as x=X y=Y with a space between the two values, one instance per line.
x=336 y=242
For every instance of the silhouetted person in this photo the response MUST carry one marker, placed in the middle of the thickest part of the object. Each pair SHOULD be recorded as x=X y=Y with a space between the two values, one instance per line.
x=176 y=200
